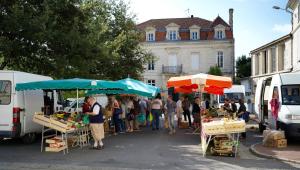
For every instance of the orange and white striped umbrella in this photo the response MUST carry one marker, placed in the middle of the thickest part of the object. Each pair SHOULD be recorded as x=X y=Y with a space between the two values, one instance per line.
x=211 y=83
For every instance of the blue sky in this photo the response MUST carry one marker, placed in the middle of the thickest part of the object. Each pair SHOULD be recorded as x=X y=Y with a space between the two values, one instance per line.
x=255 y=22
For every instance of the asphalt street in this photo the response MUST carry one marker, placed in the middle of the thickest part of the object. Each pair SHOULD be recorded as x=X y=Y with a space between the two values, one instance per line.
x=139 y=150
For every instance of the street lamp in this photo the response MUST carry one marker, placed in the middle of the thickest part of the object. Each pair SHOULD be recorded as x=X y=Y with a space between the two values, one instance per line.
x=278 y=8
x=286 y=10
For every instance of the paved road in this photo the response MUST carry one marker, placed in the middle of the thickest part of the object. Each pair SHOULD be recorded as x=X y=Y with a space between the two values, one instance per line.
x=139 y=150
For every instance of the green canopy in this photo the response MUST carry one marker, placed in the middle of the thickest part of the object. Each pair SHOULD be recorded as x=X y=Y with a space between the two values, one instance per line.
x=71 y=84
x=134 y=87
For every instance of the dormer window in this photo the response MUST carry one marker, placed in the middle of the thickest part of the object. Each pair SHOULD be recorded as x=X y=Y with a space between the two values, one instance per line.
x=150 y=37
x=194 y=35
x=220 y=34
x=194 y=32
x=172 y=35
x=150 y=33
x=172 y=32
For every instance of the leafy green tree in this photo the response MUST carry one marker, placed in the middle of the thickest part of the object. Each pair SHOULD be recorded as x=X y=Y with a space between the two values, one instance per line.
x=70 y=38
x=215 y=70
x=243 y=67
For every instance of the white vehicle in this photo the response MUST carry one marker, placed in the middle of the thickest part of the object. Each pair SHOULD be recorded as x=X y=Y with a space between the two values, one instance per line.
x=287 y=86
x=73 y=106
x=18 y=107
x=235 y=93
x=101 y=99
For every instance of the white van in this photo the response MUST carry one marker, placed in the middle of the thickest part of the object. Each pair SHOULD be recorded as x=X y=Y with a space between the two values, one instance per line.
x=235 y=93
x=287 y=85
x=17 y=107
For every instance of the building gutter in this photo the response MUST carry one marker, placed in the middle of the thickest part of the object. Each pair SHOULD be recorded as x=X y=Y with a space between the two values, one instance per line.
x=270 y=74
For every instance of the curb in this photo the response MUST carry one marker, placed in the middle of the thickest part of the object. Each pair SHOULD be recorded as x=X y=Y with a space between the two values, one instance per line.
x=260 y=154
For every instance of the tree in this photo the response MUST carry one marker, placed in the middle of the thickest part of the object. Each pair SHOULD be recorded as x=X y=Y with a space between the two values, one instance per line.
x=243 y=67
x=215 y=70
x=70 y=38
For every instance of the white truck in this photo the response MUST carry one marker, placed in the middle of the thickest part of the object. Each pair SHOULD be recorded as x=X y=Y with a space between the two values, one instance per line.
x=287 y=86
x=235 y=93
x=18 y=107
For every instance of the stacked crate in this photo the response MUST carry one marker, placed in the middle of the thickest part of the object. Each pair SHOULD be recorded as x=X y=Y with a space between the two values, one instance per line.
x=55 y=145
x=274 y=138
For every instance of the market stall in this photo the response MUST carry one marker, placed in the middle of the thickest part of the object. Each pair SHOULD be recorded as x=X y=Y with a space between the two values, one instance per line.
x=134 y=87
x=66 y=124
x=217 y=125
x=223 y=129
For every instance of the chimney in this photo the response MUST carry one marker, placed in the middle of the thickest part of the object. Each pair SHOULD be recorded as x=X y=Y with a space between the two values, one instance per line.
x=192 y=16
x=231 y=17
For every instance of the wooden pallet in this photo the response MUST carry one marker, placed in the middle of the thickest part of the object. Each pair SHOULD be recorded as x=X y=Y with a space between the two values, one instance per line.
x=49 y=149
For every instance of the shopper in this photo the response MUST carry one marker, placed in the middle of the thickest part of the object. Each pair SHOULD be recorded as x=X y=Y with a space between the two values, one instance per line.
x=186 y=110
x=143 y=108
x=85 y=106
x=196 y=111
x=156 y=109
x=96 y=123
x=179 y=110
x=242 y=113
x=123 y=115
x=117 y=111
x=275 y=108
x=129 y=114
x=137 y=112
x=171 y=109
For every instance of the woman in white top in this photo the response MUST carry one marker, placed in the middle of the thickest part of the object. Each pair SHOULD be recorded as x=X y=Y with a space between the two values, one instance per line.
x=156 y=108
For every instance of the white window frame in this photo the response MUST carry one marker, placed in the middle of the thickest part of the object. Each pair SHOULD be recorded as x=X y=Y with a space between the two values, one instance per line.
x=299 y=13
x=220 y=59
x=194 y=35
x=220 y=34
x=151 y=64
x=150 y=36
x=172 y=35
x=195 y=59
x=151 y=82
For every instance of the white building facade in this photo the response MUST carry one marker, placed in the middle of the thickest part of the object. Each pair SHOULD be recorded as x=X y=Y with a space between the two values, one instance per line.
x=280 y=55
x=184 y=46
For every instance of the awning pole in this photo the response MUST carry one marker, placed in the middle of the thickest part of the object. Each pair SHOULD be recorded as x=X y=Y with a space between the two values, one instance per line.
x=77 y=101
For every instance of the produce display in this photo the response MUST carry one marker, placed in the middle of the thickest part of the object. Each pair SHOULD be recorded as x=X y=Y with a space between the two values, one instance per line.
x=61 y=121
x=224 y=126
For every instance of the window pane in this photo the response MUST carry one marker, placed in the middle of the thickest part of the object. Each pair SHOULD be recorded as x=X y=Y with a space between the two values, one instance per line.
x=195 y=61
x=5 y=92
x=290 y=94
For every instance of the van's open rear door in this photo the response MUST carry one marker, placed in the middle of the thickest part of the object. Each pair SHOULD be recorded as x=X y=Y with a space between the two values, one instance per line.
x=6 y=103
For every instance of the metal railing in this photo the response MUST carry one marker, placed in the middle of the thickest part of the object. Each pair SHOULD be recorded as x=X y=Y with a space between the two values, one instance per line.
x=172 y=69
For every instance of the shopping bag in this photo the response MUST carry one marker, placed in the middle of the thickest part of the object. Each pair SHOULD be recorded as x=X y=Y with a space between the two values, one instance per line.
x=141 y=118
x=150 y=117
x=86 y=119
x=166 y=122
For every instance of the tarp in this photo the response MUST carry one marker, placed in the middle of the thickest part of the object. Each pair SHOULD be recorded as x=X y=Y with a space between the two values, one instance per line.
x=71 y=84
x=134 y=87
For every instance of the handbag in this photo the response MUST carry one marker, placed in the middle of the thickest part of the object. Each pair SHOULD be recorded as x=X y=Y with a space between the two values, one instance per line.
x=246 y=116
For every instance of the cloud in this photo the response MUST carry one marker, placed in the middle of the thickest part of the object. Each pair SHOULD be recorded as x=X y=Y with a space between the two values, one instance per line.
x=282 y=28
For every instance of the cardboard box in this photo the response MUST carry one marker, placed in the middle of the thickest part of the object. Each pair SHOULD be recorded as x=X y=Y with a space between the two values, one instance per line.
x=183 y=125
x=281 y=143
